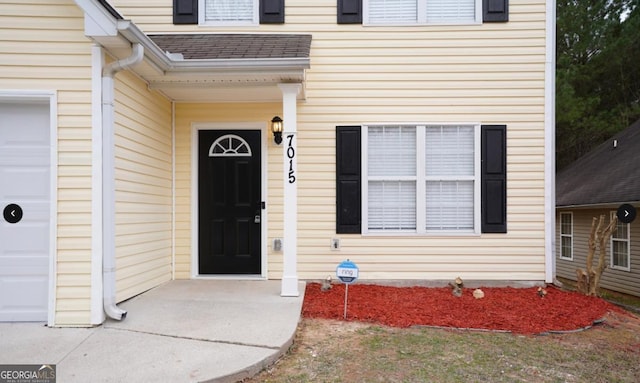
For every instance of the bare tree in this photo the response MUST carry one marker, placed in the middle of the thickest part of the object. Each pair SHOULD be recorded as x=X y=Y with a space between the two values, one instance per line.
x=589 y=280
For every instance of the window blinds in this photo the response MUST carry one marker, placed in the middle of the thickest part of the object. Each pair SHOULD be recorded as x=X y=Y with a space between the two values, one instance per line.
x=449 y=170
x=442 y=11
x=421 y=11
x=229 y=10
x=392 y=205
x=449 y=205
x=392 y=173
x=445 y=188
x=392 y=151
x=387 y=11
x=449 y=151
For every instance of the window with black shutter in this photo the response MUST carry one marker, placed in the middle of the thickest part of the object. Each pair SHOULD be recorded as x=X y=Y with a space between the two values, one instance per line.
x=382 y=12
x=493 y=181
x=270 y=12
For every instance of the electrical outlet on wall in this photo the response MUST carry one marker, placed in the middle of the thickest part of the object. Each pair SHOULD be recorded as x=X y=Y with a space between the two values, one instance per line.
x=335 y=243
x=277 y=244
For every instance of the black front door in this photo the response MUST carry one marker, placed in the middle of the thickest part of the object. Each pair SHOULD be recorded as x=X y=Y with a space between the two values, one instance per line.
x=229 y=201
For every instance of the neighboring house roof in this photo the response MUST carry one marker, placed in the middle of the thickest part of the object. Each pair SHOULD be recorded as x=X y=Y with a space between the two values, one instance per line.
x=234 y=46
x=608 y=174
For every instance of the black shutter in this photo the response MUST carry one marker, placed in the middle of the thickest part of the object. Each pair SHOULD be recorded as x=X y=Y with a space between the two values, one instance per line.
x=349 y=11
x=495 y=10
x=494 y=178
x=185 y=11
x=271 y=11
x=348 y=190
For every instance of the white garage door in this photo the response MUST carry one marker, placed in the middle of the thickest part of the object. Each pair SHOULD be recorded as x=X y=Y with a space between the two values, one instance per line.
x=25 y=203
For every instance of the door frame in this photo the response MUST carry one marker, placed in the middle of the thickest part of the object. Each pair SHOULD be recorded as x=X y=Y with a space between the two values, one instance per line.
x=195 y=128
x=50 y=97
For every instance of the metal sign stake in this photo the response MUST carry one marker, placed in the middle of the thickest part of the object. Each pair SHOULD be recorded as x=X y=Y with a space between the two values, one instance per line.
x=346 y=293
x=347 y=273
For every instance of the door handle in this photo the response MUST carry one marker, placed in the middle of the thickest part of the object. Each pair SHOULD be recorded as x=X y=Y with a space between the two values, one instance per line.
x=256 y=219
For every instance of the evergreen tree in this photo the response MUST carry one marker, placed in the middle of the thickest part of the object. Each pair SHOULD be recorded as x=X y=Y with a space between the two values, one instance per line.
x=597 y=73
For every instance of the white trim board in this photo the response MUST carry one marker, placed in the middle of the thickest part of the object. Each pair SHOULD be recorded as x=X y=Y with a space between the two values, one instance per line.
x=550 y=144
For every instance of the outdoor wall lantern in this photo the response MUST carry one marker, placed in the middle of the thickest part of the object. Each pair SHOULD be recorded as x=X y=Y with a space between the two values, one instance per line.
x=276 y=128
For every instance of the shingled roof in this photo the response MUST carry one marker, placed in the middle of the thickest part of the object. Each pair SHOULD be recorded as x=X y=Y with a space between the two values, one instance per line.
x=234 y=46
x=609 y=174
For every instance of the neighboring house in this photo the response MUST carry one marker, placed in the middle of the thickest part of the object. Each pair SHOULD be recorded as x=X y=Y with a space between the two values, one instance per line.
x=136 y=136
x=598 y=184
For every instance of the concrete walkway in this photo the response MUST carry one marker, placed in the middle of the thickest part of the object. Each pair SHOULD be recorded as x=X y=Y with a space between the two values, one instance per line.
x=182 y=331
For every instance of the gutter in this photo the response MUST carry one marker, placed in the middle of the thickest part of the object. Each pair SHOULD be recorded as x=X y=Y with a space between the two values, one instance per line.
x=108 y=181
x=601 y=205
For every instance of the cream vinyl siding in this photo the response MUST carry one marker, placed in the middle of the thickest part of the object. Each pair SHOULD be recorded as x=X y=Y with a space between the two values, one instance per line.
x=492 y=73
x=627 y=282
x=42 y=47
x=143 y=187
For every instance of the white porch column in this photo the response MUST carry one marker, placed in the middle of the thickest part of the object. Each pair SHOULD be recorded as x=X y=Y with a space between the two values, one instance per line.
x=290 y=197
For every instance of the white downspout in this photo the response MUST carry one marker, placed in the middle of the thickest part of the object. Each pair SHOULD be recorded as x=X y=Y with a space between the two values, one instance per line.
x=108 y=181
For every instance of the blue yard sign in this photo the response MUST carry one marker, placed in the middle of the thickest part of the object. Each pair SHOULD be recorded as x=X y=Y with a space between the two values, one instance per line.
x=347 y=272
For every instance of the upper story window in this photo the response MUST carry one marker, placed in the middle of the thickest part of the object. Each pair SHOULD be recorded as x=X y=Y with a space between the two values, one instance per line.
x=420 y=12
x=228 y=12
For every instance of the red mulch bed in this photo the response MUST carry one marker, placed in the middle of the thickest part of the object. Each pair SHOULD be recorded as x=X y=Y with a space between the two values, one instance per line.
x=519 y=310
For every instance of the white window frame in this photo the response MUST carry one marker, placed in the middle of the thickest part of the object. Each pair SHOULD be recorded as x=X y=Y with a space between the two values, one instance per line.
x=231 y=23
x=421 y=180
x=421 y=16
x=628 y=242
x=565 y=235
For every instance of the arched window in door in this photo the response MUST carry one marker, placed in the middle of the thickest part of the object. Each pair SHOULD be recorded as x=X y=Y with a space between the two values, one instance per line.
x=230 y=145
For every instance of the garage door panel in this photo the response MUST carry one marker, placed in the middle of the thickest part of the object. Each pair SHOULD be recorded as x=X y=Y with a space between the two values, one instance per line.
x=23 y=123
x=23 y=264
x=38 y=181
x=17 y=241
x=13 y=157
x=30 y=304
x=25 y=181
x=34 y=210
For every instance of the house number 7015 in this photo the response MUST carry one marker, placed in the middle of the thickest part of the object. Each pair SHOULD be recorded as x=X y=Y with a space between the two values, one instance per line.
x=291 y=154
